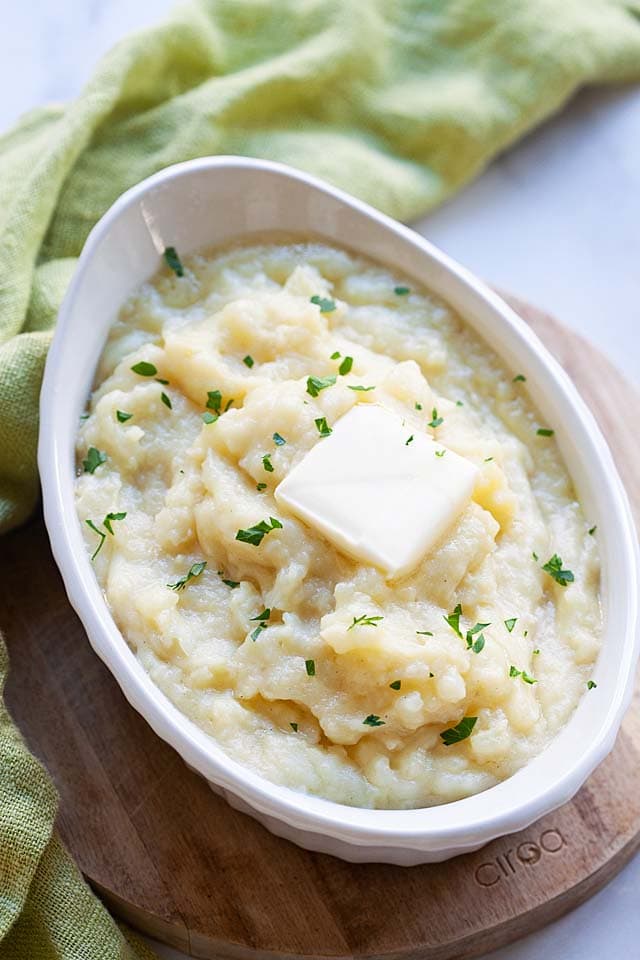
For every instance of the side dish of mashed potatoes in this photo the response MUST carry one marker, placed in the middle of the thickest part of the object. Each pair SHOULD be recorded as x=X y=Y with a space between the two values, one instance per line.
x=315 y=669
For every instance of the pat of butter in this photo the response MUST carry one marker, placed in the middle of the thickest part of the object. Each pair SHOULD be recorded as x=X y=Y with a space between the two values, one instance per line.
x=379 y=498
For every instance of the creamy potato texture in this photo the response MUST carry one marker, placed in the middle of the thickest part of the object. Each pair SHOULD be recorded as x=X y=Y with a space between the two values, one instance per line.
x=259 y=647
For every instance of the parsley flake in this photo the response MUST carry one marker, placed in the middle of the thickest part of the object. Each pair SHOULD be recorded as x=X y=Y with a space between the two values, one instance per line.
x=310 y=666
x=335 y=356
x=401 y=291
x=345 y=366
x=453 y=619
x=264 y=615
x=214 y=400
x=440 y=453
x=165 y=383
x=266 y=463
x=510 y=624
x=360 y=388
x=258 y=630
x=255 y=535
x=323 y=428
x=209 y=417
x=122 y=417
x=110 y=517
x=435 y=419
x=524 y=676
x=294 y=727
x=373 y=721
x=326 y=305
x=519 y=378
x=554 y=568
x=231 y=583
x=592 y=531
x=591 y=684
x=316 y=384
x=248 y=361
x=166 y=400
x=459 y=403
x=93 y=460
x=102 y=536
x=460 y=732
x=424 y=633
x=173 y=261
x=194 y=571
x=396 y=684
x=364 y=621
x=278 y=440
x=260 y=487
x=544 y=432
x=144 y=369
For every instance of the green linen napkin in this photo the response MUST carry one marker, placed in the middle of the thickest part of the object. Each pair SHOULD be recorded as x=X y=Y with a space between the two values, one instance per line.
x=398 y=101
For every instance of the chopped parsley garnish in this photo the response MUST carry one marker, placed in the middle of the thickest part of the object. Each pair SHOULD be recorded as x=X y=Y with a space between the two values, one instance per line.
x=544 y=432
x=401 y=291
x=260 y=487
x=194 y=571
x=345 y=366
x=459 y=403
x=214 y=400
x=228 y=405
x=364 y=621
x=410 y=440
x=478 y=644
x=255 y=535
x=316 y=384
x=248 y=361
x=510 y=624
x=360 y=388
x=173 y=261
x=84 y=416
x=310 y=666
x=424 y=633
x=535 y=556
x=524 y=676
x=166 y=400
x=209 y=417
x=108 y=520
x=460 y=732
x=326 y=305
x=144 y=369
x=323 y=428
x=440 y=453
x=418 y=406
x=591 y=684
x=294 y=727
x=488 y=459
x=258 y=630
x=554 y=568
x=264 y=615
x=231 y=583
x=110 y=517
x=165 y=383
x=373 y=721
x=122 y=417
x=93 y=459
x=453 y=619
x=266 y=463
x=534 y=653
x=278 y=440
x=335 y=356
x=592 y=531
x=519 y=378
x=435 y=419
x=102 y=536
x=396 y=684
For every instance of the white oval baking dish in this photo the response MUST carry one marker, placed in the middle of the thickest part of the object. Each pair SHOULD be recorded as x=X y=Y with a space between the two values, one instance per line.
x=214 y=200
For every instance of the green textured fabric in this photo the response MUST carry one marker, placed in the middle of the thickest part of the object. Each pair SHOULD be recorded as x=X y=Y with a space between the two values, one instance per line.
x=397 y=101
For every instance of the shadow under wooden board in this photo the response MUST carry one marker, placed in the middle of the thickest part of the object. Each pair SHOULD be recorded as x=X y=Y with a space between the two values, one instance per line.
x=176 y=861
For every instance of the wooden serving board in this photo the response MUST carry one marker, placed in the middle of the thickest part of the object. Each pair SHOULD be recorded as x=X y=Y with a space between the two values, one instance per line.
x=176 y=861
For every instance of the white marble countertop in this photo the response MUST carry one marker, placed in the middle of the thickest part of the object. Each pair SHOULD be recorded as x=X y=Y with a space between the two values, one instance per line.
x=555 y=220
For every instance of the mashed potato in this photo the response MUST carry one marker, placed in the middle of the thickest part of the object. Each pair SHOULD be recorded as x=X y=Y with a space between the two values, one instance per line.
x=451 y=678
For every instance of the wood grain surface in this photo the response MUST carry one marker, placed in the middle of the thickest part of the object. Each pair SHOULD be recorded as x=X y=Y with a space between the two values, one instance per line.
x=176 y=861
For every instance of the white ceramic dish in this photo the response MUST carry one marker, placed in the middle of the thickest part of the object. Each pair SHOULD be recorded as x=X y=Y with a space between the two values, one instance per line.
x=214 y=200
